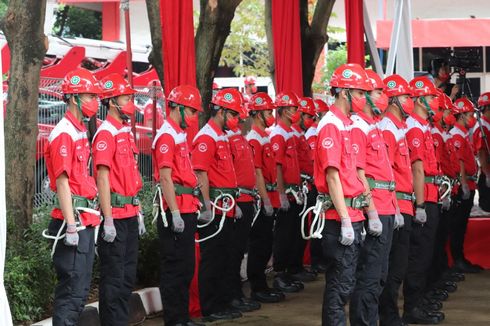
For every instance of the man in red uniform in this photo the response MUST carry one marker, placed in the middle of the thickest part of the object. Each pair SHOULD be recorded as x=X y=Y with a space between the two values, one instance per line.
x=374 y=170
x=67 y=157
x=287 y=233
x=394 y=129
x=337 y=182
x=118 y=182
x=213 y=164
x=178 y=185
x=464 y=154
x=261 y=236
x=245 y=174
x=481 y=139
x=424 y=227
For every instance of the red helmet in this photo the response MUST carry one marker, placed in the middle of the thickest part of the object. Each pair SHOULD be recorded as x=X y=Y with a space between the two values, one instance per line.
x=396 y=86
x=186 y=95
x=422 y=86
x=484 y=99
x=260 y=102
x=463 y=105
x=375 y=80
x=80 y=81
x=250 y=80
x=286 y=99
x=445 y=102
x=115 y=85
x=351 y=75
x=228 y=98
x=244 y=112
x=306 y=105
x=320 y=105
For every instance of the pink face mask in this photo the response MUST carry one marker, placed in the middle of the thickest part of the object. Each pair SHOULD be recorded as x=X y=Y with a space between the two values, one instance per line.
x=358 y=104
x=89 y=109
x=295 y=117
x=408 y=106
x=382 y=102
x=232 y=123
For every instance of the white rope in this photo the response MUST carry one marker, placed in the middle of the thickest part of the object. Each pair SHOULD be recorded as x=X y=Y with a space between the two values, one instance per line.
x=225 y=208
x=304 y=192
x=257 y=207
x=158 y=207
x=317 y=223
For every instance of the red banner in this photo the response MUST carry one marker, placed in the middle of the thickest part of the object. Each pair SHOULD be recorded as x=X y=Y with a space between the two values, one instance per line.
x=355 y=32
x=287 y=46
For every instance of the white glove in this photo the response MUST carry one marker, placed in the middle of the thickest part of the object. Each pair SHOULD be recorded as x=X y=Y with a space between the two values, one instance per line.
x=238 y=212
x=420 y=216
x=487 y=180
x=466 y=191
x=283 y=199
x=207 y=215
x=399 y=220
x=346 y=231
x=177 y=222
x=141 y=223
x=109 y=233
x=268 y=209
x=71 y=235
x=446 y=203
x=375 y=227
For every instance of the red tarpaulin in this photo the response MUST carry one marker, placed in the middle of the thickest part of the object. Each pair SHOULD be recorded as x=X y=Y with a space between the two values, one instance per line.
x=287 y=46
x=355 y=32
x=439 y=33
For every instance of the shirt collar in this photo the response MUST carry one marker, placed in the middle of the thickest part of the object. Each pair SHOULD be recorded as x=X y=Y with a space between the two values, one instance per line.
x=366 y=118
x=78 y=124
x=115 y=123
x=400 y=124
x=215 y=127
x=261 y=132
x=174 y=125
x=339 y=114
x=461 y=127
x=281 y=124
x=297 y=128
x=438 y=127
x=420 y=119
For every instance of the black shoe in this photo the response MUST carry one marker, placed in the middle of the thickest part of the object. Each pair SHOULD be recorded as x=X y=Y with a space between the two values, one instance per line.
x=235 y=313
x=448 y=286
x=304 y=276
x=463 y=267
x=438 y=314
x=268 y=296
x=282 y=284
x=420 y=316
x=453 y=276
x=189 y=323
x=244 y=304
x=319 y=268
x=222 y=315
x=438 y=294
x=431 y=304
x=288 y=278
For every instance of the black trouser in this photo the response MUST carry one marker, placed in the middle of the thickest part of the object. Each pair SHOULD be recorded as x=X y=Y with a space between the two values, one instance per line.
x=236 y=250
x=259 y=251
x=371 y=274
x=440 y=261
x=177 y=263
x=118 y=262
x=422 y=239
x=388 y=301
x=289 y=246
x=340 y=275
x=213 y=267
x=459 y=224
x=73 y=267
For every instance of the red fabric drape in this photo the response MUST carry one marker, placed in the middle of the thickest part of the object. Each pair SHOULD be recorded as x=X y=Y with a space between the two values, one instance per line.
x=355 y=32
x=179 y=56
x=287 y=46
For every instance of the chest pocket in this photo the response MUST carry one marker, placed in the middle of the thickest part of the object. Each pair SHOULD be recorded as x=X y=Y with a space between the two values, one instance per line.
x=124 y=152
x=291 y=157
x=82 y=153
x=404 y=154
x=429 y=150
x=223 y=159
x=238 y=150
x=348 y=155
x=182 y=156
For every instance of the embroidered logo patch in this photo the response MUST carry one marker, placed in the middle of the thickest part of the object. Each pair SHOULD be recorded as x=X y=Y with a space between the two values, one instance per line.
x=108 y=84
x=391 y=84
x=63 y=151
x=202 y=147
x=355 y=147
x=419 y=84
x=275 y=147
x=327 y=143
x=75 y=80
x=164 y=148
x=101 y=146
x=416 y=142
x=303 y=103
x=285 y=97
x=259 y=100
x=347 y=73
x=228 y=96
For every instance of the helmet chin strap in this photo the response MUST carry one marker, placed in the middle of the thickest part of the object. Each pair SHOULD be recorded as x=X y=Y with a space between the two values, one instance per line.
x=122 y=115
x=263 y=118
x=400 y=107
x=427 y=107
x=225 y=127
x=374 y=108
x=79 y=107
x=183 y=124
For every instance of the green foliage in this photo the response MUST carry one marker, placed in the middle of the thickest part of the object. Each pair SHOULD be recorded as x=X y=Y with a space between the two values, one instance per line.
x=3 y=7
x=246 y=48
x=78 y=22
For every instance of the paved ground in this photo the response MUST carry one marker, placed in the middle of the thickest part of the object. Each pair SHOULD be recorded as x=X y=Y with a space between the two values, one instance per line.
x=469 y=306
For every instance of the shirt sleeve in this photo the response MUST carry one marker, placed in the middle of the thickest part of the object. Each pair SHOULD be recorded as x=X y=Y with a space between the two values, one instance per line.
x=164 y=151
x=257 y=152
x=61 y=154
x=203 y=151
x=329 y=147
x=415 y=140
x=279 y=148
x=359 y=144
x=390 y=142
x=103 y=149
x=458 y=143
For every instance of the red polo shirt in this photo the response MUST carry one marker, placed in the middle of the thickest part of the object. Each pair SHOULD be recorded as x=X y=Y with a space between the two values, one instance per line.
x=304 y=152
x=370 y=147
x=463 y=152
x=442 y=153
x=68 y=151
x=264 y=159
x=334 y=149
x=285 y=151
x=478 y=141
x=243 y=162
x=311 y=136
x=170 y=150
x=394 y=132
x=211 y=153
x=421 y=147
x=114 y=147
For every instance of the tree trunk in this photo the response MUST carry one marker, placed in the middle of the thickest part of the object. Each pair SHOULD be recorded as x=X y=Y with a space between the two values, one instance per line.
x=23 y=26
x=214 y=27
x=155 y=57
x=270 y=39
